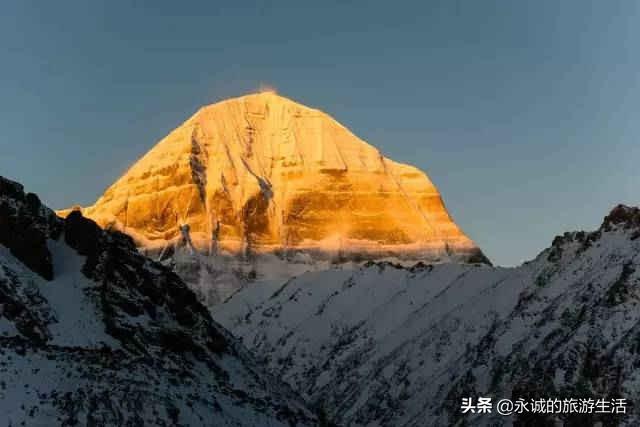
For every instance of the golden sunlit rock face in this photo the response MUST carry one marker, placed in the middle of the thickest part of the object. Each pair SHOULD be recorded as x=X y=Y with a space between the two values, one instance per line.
x=262 y=173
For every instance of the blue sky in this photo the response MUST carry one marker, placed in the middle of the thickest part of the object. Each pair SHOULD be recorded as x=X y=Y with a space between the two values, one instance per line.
x=524 y=113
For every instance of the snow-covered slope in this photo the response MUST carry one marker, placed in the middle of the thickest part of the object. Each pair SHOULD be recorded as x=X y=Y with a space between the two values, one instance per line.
x=93 y=333
x=385 y=345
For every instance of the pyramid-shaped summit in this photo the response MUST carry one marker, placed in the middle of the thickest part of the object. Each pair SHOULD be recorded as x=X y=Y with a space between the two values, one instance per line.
x=263 y=174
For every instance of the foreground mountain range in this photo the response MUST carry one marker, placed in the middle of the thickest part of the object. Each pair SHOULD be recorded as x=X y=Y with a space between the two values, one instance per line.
x=93 y=333
x=386 y=345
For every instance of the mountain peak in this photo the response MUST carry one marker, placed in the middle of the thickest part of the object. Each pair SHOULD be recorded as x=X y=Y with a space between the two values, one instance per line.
x=262 y=174
x=265 y=104
x=270 y=95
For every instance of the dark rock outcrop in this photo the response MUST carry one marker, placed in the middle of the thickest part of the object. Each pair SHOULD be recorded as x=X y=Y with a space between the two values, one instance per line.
x=25 y=226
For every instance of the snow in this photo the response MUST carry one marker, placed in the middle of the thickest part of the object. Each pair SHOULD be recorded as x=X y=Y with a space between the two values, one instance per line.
x=78 y=318
x=7 y=328
x=67 y=381
x=364 y=340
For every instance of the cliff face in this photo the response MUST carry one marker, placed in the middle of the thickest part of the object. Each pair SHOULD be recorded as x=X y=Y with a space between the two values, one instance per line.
x=263 y=174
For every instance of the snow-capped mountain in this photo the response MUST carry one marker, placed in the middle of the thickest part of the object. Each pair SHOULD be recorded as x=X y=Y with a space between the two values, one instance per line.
x=386 y=345
x=263 y=180
x=93 y=333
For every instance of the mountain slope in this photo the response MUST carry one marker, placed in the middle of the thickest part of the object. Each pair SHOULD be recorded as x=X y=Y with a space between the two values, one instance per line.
x=93 y=333
x=394 y=346
x=261 y=174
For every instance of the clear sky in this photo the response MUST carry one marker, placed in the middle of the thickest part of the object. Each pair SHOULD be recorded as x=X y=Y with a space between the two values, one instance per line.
x=525 y=114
